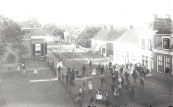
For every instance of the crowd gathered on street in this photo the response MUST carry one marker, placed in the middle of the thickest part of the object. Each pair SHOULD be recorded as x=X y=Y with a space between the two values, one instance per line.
x=120 y=81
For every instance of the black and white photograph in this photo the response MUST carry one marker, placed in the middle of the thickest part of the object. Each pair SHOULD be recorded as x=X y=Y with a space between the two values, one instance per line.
x=86 y=53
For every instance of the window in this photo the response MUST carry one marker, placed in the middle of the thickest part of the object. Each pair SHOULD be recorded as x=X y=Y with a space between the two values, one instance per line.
x=167 y=65
x=166 y=43
x=143 y=44
x=159 y=62
x=37 y=49
x=145 y=61
x=117 y=54
x=149 y=45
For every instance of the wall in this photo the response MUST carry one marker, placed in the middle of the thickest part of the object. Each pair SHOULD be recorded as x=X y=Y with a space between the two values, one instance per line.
x=27 y=43
x=163 y=63
x=157 y=40
x=123 y=49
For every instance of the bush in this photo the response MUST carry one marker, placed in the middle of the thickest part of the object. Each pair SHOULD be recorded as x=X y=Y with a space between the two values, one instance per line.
x=11 y=58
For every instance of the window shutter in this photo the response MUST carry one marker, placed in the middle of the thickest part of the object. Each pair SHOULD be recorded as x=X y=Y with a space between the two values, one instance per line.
x=42 y=49
x=45 y=48
x=33 y=49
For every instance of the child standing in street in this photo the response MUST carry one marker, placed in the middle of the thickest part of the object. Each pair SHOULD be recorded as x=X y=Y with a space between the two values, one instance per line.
x=84 y=86
x=77 y=72
x=35 y=71
x=90 y=85
x=142 y=81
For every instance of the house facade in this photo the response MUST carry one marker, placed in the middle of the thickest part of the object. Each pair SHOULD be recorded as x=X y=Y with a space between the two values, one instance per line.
x=135 y=46
x=35 y=43
x=102 y=43
x=163 y=39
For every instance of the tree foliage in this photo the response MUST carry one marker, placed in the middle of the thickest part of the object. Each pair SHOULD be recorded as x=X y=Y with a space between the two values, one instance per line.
x=11 y=36
x=85 y=37
x=29 y=21
x=53 y=30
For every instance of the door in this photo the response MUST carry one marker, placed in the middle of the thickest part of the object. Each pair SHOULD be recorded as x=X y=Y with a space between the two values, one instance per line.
x=167 y=65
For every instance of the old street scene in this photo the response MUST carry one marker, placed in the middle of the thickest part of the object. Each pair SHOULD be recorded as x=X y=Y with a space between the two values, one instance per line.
x=86 y=53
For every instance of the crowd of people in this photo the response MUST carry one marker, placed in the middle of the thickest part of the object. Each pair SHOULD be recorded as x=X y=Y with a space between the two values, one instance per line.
x=120 y=81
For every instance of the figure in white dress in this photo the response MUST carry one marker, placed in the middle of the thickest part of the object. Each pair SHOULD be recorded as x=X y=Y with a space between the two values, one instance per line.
x=94 y=72
x=35 y=71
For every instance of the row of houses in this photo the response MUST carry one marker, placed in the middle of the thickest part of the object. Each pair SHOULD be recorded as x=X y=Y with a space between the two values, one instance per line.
x=151 y=45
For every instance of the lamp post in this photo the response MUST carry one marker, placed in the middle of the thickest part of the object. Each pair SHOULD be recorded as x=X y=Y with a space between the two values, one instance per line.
x=73 y=57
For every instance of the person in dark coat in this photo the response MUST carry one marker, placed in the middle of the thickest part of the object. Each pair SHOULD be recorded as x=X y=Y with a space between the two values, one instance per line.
x=126 y=74
x=113 y=78
x=107 y=102
x=102 y=78
x=90 y=63
x=67 y=78
x=134 y=76
x=142 y=81
x=102 y=69
x=83 y=70
x=92 y=101
x=110 y=64
x=72 y=77
x=113 y=87
x=111 y=69
x=121 y=69
x=77 y=72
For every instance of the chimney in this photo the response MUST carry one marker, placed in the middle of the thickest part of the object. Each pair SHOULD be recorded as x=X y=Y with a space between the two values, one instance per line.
x=130 y=27
x=111 y=27
x=155 y=16
x=103 y=27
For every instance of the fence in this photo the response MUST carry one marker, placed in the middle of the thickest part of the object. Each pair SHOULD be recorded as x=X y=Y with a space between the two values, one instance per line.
x=61 y=78
x=32 y=59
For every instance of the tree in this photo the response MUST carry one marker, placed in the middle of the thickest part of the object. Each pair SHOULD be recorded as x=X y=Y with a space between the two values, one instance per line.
x=85 y=37
x=29 y=21
x=53 y=30
x=11 y=37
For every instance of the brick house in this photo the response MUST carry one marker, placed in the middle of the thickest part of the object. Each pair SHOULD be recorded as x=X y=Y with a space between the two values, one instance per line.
x=34 y=41
x=163 y=40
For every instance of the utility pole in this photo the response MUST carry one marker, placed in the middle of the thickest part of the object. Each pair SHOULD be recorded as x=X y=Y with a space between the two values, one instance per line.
x=60 y=46
x=73 y=57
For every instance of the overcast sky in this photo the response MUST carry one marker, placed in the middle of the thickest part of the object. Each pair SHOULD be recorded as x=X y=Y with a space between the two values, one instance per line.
x=85 y=11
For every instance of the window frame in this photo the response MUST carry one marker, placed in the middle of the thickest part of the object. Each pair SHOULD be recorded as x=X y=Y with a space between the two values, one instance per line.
x=38 y=49
x=169 y=45
x=167 y=62
x=159 y=63
x=143 y=44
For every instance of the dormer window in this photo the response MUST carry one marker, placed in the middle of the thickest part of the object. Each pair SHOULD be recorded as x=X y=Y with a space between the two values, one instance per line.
x=165 y=43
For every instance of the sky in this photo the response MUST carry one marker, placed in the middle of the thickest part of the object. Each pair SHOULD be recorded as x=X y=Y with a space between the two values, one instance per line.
x=86 y=12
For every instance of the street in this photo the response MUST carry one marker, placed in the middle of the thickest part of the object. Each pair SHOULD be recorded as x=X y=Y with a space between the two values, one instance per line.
x=156 y=92
x=18 y=90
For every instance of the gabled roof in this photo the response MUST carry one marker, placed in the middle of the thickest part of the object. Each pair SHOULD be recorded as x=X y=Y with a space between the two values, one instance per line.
x=101 y=35
x=114 y=34
x=109 y=35
x=163 y=25
x=130 y=37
